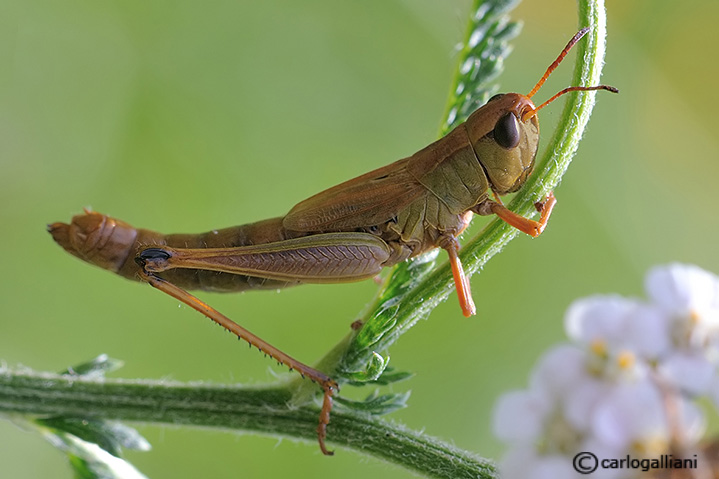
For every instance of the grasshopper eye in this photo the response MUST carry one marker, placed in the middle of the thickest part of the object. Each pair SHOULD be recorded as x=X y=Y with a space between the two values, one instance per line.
x=506 y=131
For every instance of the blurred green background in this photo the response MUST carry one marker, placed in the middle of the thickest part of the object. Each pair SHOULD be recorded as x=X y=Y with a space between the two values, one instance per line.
x=185 y=116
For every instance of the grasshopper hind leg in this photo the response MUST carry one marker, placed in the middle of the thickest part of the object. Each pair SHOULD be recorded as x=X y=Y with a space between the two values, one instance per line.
x=328 y=385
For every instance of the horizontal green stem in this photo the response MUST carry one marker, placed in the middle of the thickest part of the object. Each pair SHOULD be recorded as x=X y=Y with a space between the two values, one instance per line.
x=264 y=410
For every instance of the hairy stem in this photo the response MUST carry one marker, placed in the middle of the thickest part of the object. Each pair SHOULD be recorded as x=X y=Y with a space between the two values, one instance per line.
x=411 y=295
x=264 y=410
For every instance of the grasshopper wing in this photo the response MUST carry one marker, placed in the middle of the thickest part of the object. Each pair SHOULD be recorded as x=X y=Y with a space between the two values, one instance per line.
x=368 y=200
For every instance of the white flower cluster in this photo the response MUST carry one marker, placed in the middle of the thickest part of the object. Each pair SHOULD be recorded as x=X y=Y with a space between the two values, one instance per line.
x=626 y=383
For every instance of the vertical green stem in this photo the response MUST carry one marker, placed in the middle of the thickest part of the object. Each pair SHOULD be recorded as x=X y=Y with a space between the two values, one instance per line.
x=411 y=295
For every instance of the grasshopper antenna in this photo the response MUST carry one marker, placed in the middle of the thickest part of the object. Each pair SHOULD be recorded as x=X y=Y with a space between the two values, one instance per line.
x=578 y=36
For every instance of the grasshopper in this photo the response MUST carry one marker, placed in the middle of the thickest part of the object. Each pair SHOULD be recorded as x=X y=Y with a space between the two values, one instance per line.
x=346 y=233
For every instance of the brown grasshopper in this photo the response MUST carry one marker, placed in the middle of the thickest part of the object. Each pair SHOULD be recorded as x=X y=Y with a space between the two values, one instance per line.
x=346 y=233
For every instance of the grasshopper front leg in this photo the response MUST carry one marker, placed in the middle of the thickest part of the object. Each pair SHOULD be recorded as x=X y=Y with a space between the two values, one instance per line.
x=525 y=225
x=461 y=282
x=330 y=257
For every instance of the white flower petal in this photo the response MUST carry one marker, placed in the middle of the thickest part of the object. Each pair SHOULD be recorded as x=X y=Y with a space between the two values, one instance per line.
x=692 y=422
x=602 y=451
x=558 y=371
x=519 y=416
x=648 y=332
x=518 y=462
x=682 y=288
x=597 y=318
x=688 y=371
x=630 y=414
x=554 y=467
x=581 y=402
x=636 y=418
x=703 y=328
x=525 y=462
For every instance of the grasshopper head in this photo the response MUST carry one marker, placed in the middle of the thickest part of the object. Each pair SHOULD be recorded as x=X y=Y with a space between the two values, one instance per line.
x=505 y=139
x=505 y=132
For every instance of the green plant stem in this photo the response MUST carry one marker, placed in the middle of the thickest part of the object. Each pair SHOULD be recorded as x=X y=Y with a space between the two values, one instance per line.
x=417 y=300
x=230 y=408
